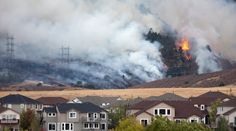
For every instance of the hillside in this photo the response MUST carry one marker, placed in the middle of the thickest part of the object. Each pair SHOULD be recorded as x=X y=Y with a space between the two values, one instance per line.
x=216 y=79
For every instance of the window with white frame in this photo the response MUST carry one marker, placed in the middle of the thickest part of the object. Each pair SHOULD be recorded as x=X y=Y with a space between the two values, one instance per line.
x=90 y=125
x=202 y=107
x=162 y=112
x=96 y=126
x=51 y=126
x=51 y=114
x=103 y=116
x=95 y=116
x=72 y=114
x=67 y=126
x=144 y=122
x=86 y=125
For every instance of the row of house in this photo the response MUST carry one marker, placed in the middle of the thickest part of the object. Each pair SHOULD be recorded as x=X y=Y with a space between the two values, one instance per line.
x=176 y=108
x=91 y=112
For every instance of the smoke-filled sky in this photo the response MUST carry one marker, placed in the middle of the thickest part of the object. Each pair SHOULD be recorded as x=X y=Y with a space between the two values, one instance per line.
x=110 y=32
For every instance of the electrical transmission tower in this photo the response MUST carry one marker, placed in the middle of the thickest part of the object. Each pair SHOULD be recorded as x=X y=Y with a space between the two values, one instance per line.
x=10 y=47
x=65 y=55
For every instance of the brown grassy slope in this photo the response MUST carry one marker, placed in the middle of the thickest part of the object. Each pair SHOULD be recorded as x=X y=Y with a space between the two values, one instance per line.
x=125 y=93
x=221 y=78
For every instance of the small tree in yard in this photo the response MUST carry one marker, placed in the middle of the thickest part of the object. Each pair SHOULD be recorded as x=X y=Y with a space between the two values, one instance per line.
x=116 y=115
x=129 y=124
x=28 y=121
x=213 y=112
x=222 y=125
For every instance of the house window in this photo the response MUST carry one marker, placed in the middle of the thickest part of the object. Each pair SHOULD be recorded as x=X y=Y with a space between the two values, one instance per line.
x=51 y=114
x=86 y=125
x=156 y=112
x=95 y=115
x=72 y=115
x=91 y=125
x=90 y=115
x=162 y=111
x=103 y=126
x=168 y=111
x=177 y=121
x=67 y=126
x=103 y=116
x=96 y=126
x=51 y=126
x=202 y=107
x=144 y=122
x=192 y=121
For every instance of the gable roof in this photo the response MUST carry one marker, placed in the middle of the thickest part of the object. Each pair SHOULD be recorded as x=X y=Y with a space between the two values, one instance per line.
x=208 y=98
x=167 y=97
x=202 y=100
x=230 y=111
x=81 y=107
x=2 y=109
x=183 y=109
x=17 y=99
x=214 y=94
x=52 y=100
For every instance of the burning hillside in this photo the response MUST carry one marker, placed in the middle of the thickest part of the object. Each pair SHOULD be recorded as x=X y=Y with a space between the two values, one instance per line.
x=108 y=44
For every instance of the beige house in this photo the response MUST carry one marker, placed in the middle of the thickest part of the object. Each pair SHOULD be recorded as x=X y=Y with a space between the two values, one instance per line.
x=173 y=110
x=9 y=119
x=19 y=103
x=75 y=117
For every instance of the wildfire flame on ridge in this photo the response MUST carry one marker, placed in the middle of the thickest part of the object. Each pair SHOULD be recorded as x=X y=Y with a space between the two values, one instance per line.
x=185 y=44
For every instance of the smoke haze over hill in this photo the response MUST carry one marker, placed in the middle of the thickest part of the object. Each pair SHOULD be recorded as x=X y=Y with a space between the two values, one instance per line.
x=110 y=33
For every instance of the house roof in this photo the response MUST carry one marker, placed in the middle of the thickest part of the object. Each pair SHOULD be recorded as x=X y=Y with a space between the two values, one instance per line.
x=208 y=98
x=167 y=97
x=52 y=100
x=230 y=111
x=17 y=99
x=81 y=107
x=214 y=94
x=229 y=103
x=202 y=100
x=2 y=109
x=183 y=109
x=50 y=109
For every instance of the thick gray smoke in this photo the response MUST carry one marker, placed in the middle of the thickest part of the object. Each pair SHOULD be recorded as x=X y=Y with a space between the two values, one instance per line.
x=111 y=32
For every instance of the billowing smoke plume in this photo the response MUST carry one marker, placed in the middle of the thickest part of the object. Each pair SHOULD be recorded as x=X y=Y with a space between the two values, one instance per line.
x=111 y=32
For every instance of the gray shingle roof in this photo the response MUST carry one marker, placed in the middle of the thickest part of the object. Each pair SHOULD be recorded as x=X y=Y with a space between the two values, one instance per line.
x=17 y=99
x=167 y=97
x=50 y=109
x=81 y=107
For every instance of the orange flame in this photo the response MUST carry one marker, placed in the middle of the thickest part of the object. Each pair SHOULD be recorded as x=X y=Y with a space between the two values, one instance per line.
x=185 y=45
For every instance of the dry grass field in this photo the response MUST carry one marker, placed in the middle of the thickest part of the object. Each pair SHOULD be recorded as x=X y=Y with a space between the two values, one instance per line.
x=125 y=93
